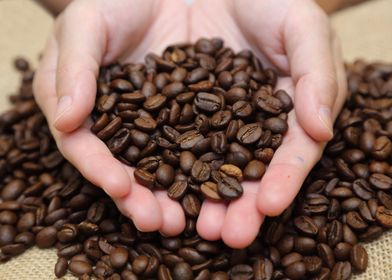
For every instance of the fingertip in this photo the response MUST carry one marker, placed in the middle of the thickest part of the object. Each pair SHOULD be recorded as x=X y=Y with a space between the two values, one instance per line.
x=173 y=217
x=141 y=206
x=243 y=219
x=109 y=174
x=210 y=221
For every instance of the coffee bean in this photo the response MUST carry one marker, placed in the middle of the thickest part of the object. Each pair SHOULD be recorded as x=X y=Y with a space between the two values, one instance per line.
x=276 y=125
x=145 y=178
x=306 y=225
x=7 y=234
x=118 y=257
x=191 y=205
x=229 y=188
x=61 y=267
x=46 y=237
x=384 y=216
x=207 y=102
x=381 y=181
x=249 y=133
x=120 y=141
x=341 y=271
x=182 y=271
x=165 y=175
x=188 y=139
x=210 y=191
x=79 y=268
x=200 y=171
x=254 y=170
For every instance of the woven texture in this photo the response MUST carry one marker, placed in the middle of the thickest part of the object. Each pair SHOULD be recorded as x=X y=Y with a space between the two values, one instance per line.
x=364 y=31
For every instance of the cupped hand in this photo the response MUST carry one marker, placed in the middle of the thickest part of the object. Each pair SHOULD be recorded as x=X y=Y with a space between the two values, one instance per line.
x=88 y=34
x=295 y=37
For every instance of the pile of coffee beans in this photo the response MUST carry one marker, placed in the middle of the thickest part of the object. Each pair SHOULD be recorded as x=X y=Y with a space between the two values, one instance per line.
x=198 y=119
x=346 y=199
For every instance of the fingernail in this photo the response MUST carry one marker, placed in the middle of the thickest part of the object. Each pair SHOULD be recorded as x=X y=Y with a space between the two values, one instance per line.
x=63 y=105
x=326 y=118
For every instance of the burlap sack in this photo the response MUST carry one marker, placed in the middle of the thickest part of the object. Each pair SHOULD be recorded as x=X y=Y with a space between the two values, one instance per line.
x=365 y=32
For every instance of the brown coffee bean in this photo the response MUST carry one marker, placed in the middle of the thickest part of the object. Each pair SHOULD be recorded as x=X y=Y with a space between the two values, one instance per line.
x=177 y=190
x=306 y=225
x=61 y=267
x=276 y=125
x=200 y=171
x=118 y=257
x=80 y=268
x=165 y=175
x=210 y=190
x=182 y=271
x=381 y=181
x=46 y=237
x=191 y=205
x=254 y=170
x=384 y=216
x=229 y=188
x=341 y=271
x=249 y=133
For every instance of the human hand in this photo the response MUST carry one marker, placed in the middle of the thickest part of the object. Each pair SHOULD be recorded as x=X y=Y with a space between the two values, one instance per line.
x=88 y=34
x=294 y=37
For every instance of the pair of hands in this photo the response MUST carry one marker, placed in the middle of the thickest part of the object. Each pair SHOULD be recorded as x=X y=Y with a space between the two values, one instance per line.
x=293 y=36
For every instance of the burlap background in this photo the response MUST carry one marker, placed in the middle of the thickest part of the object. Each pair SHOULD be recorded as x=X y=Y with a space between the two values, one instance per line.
x=365 y=31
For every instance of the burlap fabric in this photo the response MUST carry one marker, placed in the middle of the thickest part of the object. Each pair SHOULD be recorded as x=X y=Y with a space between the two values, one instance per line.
x=365 y=32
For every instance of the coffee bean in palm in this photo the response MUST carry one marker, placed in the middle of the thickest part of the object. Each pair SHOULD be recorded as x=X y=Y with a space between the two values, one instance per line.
x=229 y=188
x=249 y=134
x=254 y=170
x=276 y=125
x=165 y=175
x=200 y=171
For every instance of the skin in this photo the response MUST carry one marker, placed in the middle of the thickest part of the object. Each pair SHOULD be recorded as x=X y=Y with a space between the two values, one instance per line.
x=295 y=38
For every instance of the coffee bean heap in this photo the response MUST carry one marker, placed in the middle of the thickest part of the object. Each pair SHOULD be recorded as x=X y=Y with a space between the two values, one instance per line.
x=346 y=199
x=196 y=121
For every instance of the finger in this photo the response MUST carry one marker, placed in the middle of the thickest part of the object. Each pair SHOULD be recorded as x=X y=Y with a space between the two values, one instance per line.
x=341 y=77
x=173 y=217
x=210 y=221
x=45 y=79
x=141 y=206
x=289 y=167
x=243 y=219
x=84 y=150
x=307 y=39
x=81 y=38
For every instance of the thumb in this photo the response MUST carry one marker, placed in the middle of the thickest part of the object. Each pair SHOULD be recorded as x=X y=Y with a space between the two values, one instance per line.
x=308 y=41
x=81 y=39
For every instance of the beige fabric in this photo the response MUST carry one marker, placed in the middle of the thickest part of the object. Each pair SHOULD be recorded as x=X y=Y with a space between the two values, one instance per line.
x=364 y=30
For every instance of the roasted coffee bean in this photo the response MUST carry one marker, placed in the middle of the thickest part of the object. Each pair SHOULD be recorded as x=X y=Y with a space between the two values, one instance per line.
x=46 y=237
x=306 y=225
x=165 y=175
x=188 y=139
x=229 y=188
x=384 y=216
x=249 y=133
x=182 y=271
x=118 y=257
x=341 y=271
x=80 y=268
x=200 y=171
x=7 y=234
x=210 y=190
x=219 y=143
x=276 y=125
x=207 y=102
x=254 y=170
x=381 y=181
x=191 y=205
x=177 y=190
x=145 y=178
x=61 y=267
